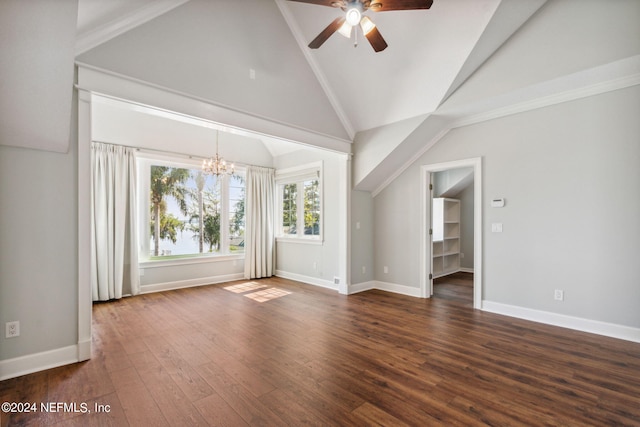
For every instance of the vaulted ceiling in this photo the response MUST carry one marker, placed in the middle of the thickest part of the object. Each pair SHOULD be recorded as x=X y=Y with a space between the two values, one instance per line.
x=251 y=56
x=430 y=52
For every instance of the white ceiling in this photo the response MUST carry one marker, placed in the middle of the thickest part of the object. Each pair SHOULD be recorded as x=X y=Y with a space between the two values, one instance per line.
x=430 y=51
x=427 y=49
x=246 y=65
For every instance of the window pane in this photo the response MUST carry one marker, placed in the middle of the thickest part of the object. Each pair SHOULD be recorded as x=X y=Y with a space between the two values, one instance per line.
x=289 y=209
x=311 y=208
x=187 y=204
x=236 y=213
x=168 y=208
x=205 y=217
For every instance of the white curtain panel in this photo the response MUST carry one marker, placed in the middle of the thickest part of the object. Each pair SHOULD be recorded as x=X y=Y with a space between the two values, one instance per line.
x=114 y=245
x=259 y=242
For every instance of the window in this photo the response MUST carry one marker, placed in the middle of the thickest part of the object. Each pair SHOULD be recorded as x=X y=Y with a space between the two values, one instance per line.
x=311 y=207
x=236 y=213
x=189 y=214
x=300 y=200
x=289 y=208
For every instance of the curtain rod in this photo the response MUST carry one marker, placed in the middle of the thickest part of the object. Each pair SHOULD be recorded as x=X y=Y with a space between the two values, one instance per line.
x=173 y=153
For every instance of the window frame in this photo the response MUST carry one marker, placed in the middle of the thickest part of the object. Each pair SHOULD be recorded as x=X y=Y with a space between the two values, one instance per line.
x=298 y=175
x=144 y=161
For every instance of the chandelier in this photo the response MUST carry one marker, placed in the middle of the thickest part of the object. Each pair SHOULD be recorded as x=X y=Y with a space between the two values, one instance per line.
x=216 y=165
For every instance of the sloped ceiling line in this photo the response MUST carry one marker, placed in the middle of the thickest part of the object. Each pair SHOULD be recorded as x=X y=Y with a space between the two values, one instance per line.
x=297 y=34
x=110 y=30
x=611 y=81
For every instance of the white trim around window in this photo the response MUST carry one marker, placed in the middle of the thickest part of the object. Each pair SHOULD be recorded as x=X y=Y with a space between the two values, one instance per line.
x=145 y=160
x=298 y=175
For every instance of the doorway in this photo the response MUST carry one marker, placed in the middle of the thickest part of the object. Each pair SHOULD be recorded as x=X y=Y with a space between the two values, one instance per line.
x=454 y=177
x=456 y=288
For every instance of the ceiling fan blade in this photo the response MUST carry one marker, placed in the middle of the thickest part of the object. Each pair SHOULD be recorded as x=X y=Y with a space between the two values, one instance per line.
x=377 y=41
x=387 y=5
x=326 y=33
x=318 y=2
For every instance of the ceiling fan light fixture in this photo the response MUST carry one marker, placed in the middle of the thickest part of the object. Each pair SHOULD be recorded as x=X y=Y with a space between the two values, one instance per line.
x=353 y=16
x=345 y=30
x=367 y=25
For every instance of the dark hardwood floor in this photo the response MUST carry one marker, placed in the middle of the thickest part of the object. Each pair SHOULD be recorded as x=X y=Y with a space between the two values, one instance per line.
x=214 y=356
x=457 y=288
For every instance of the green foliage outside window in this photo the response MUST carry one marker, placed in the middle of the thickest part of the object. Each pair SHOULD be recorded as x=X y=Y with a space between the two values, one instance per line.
x=199 y=210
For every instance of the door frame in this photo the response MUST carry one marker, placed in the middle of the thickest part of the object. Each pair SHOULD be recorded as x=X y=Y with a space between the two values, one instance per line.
x=426 y=258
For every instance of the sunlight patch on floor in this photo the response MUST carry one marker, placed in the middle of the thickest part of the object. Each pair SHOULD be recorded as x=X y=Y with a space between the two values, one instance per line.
x=261 y=295
x=244 y=287
x=267 y=294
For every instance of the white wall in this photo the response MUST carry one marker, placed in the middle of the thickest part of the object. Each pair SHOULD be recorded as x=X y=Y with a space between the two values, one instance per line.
x=198 y=49
x=466 y=227
x=362 y=237
x=562 y=38
x=570 y=174
x=123 y=123
x=296 y=260
x=38 y=249
x=162 y=277
x=37 y=41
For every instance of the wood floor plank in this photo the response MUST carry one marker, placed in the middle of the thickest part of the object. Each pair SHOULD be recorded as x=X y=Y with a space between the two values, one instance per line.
x=239 y=398
x=140 y=408
x=209 y=356
x=180 y=371
x=173 y=403
x=105 y=411
x=374 y=416
x=218 y=412
x=291 y=410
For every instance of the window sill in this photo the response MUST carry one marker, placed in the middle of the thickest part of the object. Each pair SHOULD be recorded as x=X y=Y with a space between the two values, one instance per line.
x=303 y=240
x=186 y=261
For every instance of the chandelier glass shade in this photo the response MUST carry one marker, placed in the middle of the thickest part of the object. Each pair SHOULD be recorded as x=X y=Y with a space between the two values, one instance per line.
x=216 y=165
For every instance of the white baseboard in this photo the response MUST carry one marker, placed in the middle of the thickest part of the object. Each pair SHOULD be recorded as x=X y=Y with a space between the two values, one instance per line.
x=398 y=289
x=307 y=279
x=179 y=284
x=580 y=324
x=31 y=363
x=466 y=270
x=384 y=286
x=577 y=323
x=84 y=350
x=361 y=287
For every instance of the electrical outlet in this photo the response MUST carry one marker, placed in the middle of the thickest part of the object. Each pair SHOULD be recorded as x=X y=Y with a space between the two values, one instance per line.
x=385 y=269
x=12 y=329
x=336 y=280
x=364 y=269
x=558 y=295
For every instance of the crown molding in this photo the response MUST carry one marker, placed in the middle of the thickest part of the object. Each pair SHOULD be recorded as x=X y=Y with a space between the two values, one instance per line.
x=549 y=100
x=615 y=76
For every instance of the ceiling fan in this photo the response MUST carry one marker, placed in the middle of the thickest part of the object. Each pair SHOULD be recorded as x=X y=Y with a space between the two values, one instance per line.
x=353 y=15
